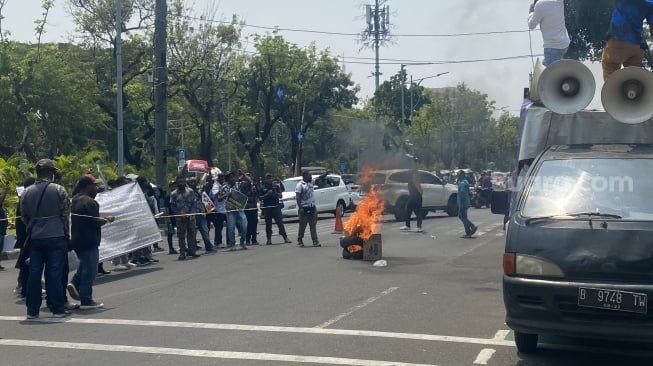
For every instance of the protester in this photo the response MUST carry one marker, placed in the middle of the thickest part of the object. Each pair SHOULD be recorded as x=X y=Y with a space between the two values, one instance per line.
x=464 y=203
x=45 y=211
x=182 y=205
x=143 y=256
x=250 y=189
x=550 y=16
x=85 y=238
x=414 y=203
x=200 y=218
x=21 y=235
x=306 y=205
x=219 y=217
x=235 y=215
x=626 y=43
x=170 y=221
x=270 y=201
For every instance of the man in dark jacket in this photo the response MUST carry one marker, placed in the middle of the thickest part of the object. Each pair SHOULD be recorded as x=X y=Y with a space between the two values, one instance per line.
x=45 y=207
x=85 y=241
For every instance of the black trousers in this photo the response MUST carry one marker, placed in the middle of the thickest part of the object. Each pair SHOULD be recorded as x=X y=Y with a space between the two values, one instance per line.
x=270 y=213
x=416 y=207
x=252 y=224
x=218 y=220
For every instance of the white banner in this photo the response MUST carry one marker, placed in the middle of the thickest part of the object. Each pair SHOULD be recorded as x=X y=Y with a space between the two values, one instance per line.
x=134 y=227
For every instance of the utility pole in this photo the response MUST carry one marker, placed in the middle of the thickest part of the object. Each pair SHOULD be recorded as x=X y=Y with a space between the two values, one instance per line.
x=403 y=82
x=119 y=116
x=376 y=34
x=160 y=95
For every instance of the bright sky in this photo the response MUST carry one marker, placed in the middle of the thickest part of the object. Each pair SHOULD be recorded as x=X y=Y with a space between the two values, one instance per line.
x=423 y=31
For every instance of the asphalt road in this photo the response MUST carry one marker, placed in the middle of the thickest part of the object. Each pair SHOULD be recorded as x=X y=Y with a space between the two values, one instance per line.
x=437 y=302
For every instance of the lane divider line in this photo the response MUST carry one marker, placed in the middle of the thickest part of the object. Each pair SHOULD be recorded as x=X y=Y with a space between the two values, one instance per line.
x=357 y=307
x=273 y=329
x=204 y=353
x=484 y=356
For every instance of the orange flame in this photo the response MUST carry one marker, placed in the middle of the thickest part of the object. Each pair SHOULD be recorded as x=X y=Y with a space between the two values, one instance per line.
x=363 y=222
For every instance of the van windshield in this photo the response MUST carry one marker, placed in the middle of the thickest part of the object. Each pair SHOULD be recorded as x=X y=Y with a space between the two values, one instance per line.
x=608 y=186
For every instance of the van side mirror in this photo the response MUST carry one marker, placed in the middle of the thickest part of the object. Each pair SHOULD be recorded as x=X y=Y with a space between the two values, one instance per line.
x=500 y=202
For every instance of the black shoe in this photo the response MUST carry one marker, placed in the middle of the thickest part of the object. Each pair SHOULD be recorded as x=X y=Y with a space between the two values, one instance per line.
x=182 y=257
x=193 y=255
x=173 y=252
x=152 y=260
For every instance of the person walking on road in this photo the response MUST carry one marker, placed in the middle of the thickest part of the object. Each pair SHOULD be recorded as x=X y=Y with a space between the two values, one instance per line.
x=464 y=203
x=414 y=203
x=85 y=236
x=307 y=210
x=46 y=209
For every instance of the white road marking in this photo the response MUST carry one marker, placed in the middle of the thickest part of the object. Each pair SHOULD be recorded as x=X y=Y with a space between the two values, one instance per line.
x=205 y=353
x=501 y=334
x=275 y=329
x=484 y=356
x=357 y=307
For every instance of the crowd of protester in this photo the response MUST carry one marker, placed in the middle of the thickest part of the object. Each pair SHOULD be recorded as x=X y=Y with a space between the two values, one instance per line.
x=50 y=223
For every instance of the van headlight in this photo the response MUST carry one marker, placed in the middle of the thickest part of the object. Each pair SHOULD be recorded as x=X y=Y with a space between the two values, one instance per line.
x=515 y=264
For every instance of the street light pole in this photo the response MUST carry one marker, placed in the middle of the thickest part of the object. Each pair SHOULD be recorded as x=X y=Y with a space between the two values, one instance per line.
x=119 y=115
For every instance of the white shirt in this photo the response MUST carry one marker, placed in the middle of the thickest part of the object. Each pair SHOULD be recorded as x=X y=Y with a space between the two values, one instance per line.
x=550 y=15
x=306 y=196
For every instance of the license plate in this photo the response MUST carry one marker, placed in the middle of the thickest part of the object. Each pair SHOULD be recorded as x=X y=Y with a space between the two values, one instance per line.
x=612 y=300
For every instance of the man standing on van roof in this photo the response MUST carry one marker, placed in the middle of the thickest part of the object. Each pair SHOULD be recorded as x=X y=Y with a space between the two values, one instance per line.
x=550 y=16
x=625 y=45
x=464 y=203
x=46 y=210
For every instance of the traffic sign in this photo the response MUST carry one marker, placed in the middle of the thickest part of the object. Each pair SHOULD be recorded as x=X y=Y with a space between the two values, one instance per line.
x=182 y=154
x=300 y=137
x=280 y=92
x=342 y=166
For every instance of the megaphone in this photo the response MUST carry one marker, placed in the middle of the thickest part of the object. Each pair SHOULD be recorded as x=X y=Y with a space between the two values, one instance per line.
x=566 y=86
x=627 y=95
x=537 y=72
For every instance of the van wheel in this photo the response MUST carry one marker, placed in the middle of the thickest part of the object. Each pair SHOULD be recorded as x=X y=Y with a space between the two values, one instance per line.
x=526 y=343
x=400 y=209
x=452 y=206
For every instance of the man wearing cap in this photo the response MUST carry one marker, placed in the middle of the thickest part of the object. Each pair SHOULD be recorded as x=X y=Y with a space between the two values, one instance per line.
x=46 y=208
x=270 y=196
x=85 y=240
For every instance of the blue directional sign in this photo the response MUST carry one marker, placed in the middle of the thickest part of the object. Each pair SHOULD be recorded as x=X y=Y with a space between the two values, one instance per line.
x=280 y=92
x=300 y=137
x=342 y=166
x=182 y=154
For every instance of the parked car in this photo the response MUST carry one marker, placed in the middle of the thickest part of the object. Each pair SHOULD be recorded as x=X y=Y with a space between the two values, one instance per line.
x=331 y=196
x=393 y=185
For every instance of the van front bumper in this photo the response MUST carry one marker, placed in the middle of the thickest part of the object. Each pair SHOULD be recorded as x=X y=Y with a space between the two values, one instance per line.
x=551 y=307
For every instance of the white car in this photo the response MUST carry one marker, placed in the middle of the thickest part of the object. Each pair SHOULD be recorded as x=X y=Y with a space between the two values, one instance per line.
x=393 y=185
x=331 y=196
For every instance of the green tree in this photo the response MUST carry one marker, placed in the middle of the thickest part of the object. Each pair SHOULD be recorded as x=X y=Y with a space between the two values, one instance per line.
x=587 y=23
x=314 y=83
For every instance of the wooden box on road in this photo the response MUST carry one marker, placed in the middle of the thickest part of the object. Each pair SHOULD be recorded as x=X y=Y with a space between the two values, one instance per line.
x=372 y=249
